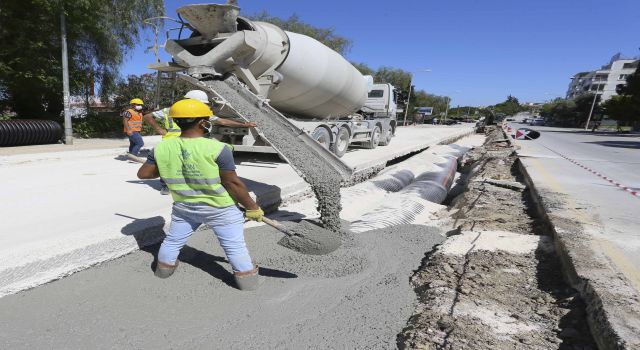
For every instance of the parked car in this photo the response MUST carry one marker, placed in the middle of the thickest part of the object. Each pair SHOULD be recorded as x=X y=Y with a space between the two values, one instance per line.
x=537 y=122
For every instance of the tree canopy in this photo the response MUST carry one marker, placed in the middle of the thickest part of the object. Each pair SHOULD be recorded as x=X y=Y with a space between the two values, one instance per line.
x=510 y=106
x=625 y=108
x=326 y=36
x=100 y=34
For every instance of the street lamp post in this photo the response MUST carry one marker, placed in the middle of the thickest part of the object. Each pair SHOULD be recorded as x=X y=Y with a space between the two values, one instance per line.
x=406 y=108
x=446 y=111
x=68 y=130
x=593 y=105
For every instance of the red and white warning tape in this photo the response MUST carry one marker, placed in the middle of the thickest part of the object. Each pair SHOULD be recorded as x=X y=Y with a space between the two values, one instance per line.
x=602 y=176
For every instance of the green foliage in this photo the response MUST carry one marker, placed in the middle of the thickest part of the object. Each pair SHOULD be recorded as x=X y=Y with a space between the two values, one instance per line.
x=144 y=87
x=510 y=106
x=100 y=34
x=472 y=112
x=326 y=36
x=397 y=77
x=421 y=98
x=364 y=68
x=569 y=113
x=625 y=108
x=98 y=125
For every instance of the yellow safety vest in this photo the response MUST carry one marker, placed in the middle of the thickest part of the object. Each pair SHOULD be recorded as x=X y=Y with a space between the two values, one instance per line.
x=173 y=130
x=188 y=167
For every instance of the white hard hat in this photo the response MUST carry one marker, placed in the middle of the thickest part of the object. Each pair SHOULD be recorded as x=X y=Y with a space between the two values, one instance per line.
x=198 y=95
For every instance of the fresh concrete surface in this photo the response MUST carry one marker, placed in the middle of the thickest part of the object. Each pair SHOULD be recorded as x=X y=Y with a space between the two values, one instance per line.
x=596 y=223
x=69 y=210
x=358 y=297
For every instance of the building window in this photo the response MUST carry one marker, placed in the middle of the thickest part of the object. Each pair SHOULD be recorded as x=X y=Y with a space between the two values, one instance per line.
x=630 y=65
x=623 y=76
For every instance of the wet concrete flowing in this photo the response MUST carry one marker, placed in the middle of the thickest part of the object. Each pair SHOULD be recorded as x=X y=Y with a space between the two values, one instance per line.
x=323 y=178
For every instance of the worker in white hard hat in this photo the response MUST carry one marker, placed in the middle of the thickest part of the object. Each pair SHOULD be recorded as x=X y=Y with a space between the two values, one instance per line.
x=172 y=129
x=210 y=193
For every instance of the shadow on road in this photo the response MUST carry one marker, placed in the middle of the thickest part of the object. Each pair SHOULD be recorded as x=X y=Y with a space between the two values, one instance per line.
x=618 y=144
x=595 y=133
x=149 y=234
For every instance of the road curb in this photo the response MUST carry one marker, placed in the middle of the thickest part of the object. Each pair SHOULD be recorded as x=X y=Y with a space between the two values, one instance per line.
x=612 y=303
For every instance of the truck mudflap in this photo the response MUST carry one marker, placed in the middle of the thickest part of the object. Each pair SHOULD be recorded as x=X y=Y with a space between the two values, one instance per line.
x=293 y=144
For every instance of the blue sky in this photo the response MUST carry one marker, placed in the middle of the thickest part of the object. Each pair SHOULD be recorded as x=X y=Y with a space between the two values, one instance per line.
x=479 y=51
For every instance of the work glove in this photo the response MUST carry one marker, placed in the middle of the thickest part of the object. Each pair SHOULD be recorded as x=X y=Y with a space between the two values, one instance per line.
x=255 y=215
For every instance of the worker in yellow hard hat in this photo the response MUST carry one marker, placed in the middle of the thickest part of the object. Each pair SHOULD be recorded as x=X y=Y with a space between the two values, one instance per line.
x=172 y=129
x=200 y=173
x=132 y=122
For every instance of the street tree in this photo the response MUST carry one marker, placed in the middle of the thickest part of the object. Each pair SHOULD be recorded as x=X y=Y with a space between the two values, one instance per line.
x=625 y=108
x=326 y=36
x=364 y=68
x=510 y=106
x=100 y=34
x=144 y=87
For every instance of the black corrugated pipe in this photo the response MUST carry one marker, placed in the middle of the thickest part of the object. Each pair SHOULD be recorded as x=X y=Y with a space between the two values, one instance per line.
x=29 y=132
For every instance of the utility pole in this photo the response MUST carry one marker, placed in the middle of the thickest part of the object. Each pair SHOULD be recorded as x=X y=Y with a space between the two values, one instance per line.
x=446 y=111
x=406 y=108
x=593 y=104
x=68 y=130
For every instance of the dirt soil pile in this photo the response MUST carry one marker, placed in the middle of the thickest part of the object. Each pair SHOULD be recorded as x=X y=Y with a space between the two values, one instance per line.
x=484 y=289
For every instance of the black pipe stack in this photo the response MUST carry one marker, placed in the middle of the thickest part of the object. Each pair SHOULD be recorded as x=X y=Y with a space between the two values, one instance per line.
x=29 y=132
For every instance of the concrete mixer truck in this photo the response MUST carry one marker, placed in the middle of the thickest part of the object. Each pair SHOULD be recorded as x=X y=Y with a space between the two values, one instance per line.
x=314 y=87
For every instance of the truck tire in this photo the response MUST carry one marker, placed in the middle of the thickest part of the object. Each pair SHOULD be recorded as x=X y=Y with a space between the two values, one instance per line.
x=322 y=136
x=385 y=140
x=340 y=146
x=375 y=138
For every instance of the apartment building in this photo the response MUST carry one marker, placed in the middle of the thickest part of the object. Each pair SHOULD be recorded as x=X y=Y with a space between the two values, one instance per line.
x=603 y=81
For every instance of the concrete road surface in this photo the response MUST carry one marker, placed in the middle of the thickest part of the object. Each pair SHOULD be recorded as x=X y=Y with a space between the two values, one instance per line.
x=68 y=207
x=587 y=183
x=614 y=156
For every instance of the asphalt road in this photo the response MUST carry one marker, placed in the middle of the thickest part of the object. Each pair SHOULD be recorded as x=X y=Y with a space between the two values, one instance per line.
x=614 y=156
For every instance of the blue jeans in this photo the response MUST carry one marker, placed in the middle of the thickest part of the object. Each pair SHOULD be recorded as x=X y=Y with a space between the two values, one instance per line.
x=135 y=143
x=227 y=223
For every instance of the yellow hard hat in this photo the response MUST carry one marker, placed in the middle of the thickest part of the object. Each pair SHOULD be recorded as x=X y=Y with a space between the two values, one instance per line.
x=190 y=108
x=136 y=101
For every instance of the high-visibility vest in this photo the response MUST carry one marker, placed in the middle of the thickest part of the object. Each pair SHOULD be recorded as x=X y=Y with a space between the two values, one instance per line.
x=135 y=122
x=188 y=167
x=173 y=130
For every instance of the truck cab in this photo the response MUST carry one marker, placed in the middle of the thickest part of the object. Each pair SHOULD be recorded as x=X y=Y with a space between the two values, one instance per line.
x=381 y=101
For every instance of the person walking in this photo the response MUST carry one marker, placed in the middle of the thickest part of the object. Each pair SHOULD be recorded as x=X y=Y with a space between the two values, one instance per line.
x=172 y=129
x=132 y=122
x=201 y=177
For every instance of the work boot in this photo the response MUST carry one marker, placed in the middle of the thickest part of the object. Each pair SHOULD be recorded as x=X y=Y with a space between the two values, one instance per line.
x=134 y=158
x=165 y=270
x=164 y=190
x=248 y=280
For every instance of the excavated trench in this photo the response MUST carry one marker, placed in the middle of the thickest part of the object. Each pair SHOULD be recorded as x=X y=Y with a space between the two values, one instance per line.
x=496 y=282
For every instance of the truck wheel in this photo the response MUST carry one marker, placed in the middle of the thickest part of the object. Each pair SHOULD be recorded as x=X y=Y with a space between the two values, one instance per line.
x=386 y=138
x=375 y=138
x=322 y=136
x=340 y=146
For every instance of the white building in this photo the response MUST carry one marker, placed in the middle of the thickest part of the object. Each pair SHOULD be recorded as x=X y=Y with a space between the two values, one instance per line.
x=605 y=80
